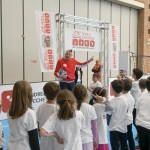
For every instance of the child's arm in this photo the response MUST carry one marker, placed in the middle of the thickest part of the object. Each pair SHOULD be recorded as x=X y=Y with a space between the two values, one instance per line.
x=43 y=132
x=33 y=139
x=95 y=133
x=128 y=77
x=109 y=106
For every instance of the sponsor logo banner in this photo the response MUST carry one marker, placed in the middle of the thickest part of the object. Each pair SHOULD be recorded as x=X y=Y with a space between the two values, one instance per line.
x=6 y=97
x=82 y=40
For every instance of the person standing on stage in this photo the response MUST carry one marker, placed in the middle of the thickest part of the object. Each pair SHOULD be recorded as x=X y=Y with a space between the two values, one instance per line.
x=97 y=68
x=65 y=70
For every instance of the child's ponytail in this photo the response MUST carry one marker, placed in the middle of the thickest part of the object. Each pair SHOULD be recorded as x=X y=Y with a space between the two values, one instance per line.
x=66 y=100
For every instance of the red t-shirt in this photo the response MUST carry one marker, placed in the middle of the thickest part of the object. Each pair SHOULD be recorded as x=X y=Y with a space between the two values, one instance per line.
x=68 y=66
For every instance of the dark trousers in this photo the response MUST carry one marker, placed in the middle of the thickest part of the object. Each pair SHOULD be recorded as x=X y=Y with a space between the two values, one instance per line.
x=144 y=138
x=69 y=86
x=130 y=137
x=116 y=137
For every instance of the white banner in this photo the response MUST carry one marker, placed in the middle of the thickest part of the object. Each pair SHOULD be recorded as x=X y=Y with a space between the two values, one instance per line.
x=6 y=95
x=46 y=31
x=113 y=47
x=82 y=40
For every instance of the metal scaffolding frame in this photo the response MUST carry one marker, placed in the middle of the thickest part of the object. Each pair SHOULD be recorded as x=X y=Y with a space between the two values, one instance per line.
x=100 y=26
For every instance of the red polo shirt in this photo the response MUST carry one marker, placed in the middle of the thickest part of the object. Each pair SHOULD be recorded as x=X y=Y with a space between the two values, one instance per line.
x=68 y=66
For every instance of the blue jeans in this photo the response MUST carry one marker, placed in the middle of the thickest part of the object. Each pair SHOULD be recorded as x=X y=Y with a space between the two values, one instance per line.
x=65 y=85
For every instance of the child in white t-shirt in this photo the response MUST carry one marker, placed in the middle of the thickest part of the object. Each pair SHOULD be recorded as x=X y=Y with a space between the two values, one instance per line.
x=143 y=119
x=118 y=121
x=95 y=82
x=2 y=139
x=66 y=122
x=89 y=131
x=131 y=102
x=22 y=119
x=45 y=110
x=101 y=117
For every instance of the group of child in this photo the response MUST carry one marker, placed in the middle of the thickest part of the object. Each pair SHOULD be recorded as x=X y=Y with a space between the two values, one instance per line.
x=67 y=122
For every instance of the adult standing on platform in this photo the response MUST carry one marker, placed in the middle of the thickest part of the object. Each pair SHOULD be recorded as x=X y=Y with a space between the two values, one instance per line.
x=65 y=70
x=97 y=68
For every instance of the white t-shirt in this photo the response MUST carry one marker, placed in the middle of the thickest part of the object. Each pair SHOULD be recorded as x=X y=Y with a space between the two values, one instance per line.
x=143 y=106
x=93 y=85
x=68 y=130
x=102 y=123
x=44 y=111
x=131 y=103
x=2 y=139
x=135 y=90
x=19 y=138
x=118 y=121
x=89 y=114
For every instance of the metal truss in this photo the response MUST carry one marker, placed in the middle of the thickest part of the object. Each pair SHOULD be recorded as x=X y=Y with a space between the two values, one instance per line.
x=100 y=26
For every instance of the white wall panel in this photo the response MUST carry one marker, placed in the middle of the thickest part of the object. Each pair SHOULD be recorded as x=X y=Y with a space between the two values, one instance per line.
x=105 y=11
x=12 y=29
x=125 y=12
x=67 y=7
x=50 y=6
x=31 y=47
x=116 y=11
x=133 y=30
x=81 y=9
x=94 y=9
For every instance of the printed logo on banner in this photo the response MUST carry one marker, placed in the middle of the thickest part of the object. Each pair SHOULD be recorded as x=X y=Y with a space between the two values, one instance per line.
x=6 y=100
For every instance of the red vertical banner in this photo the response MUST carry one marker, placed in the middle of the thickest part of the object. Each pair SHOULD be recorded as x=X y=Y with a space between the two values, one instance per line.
x=46 y=31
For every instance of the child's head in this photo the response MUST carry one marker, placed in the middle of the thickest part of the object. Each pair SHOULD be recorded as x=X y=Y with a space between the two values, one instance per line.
x=142 y=84
x=80 y=93
x=95 y=77
x=117 y=86
x=148 y=84
x=21 y=99
x=99 y=91
x=97 y=61
x=137 y=73
x=127 y=85
x=66 y=101
x=50 y=90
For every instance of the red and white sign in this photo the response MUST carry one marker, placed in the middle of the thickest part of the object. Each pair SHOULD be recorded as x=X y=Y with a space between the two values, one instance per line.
x=113 y=47
x=6 y=96
x=46 y=30
x=82 y=40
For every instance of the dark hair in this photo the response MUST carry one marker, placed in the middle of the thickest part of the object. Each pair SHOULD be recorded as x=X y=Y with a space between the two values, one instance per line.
x=138 y=73
x=142 y=83
x=99 y=91
x=117 y=86
x=21 y=99
x=148 y=84
x=50 y=90
x=66 y=100
x=127 y=85
x=80 y=93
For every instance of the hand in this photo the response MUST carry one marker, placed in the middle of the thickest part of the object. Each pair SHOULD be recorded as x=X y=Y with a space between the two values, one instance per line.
x=118 y=77
x=91 y=59
x=95 y=145
x=59 y=140
x=99 y=99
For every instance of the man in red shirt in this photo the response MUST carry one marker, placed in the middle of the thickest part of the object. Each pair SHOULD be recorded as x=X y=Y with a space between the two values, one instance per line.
x=65 y=70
